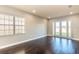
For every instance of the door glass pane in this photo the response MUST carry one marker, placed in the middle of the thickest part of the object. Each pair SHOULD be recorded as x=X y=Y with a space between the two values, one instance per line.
x=57 y=28
x=64 y=28
x=69 y=28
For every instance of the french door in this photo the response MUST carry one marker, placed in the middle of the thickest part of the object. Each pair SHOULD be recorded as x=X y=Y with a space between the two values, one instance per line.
x=57 y=29
x=62 y=28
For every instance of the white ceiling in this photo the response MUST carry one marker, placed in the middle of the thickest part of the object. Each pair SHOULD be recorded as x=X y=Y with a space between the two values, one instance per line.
x=48 y=10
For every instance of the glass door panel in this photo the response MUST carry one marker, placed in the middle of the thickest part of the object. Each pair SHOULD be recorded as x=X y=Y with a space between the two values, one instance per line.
x=69 y=28
x=57 y=32
x=64 y=28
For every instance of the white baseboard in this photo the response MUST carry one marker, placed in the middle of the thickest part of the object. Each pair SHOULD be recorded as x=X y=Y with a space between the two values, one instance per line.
x=77 y=39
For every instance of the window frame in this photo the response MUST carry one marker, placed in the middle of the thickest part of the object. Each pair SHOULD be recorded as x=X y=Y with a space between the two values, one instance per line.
x=7 y=31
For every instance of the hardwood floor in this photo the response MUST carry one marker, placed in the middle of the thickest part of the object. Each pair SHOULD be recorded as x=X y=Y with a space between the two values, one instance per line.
x=53 y=45
x=46 y=45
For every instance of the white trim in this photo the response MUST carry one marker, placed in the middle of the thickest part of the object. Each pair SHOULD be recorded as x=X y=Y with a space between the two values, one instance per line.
x=17 y=43
x=77 y=39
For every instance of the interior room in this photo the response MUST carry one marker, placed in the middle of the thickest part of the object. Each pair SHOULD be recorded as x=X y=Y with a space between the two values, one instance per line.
x=39 y=29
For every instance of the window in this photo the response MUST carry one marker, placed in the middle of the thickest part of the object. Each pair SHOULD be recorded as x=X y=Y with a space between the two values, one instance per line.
x=10 y=25
x=19 y=25
x=8 y=20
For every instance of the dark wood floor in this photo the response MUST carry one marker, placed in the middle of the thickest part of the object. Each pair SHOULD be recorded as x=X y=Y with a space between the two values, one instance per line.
x=53 y=45
x=46 y=45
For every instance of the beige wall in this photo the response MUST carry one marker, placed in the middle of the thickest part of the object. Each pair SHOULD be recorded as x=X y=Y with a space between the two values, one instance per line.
x=35 y=27
x=75 y=25
x=49 y=27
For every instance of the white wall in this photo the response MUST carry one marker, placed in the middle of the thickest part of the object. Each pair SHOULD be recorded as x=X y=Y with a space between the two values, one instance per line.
x=35 y=27
x=74 y=28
